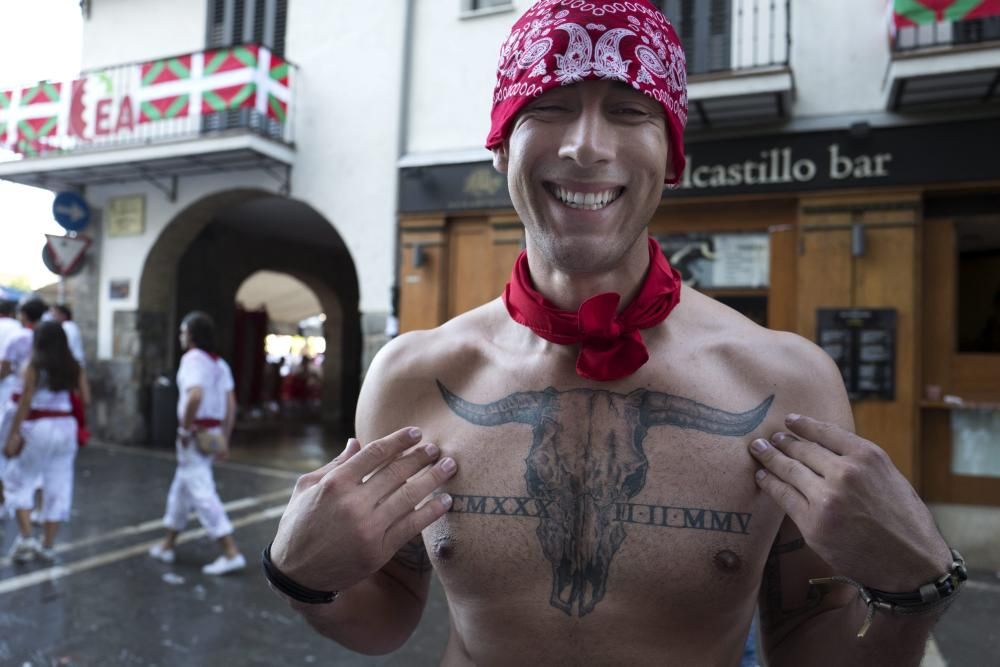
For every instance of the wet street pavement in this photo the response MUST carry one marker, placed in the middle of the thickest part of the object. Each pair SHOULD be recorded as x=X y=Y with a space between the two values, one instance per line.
x=105 y=602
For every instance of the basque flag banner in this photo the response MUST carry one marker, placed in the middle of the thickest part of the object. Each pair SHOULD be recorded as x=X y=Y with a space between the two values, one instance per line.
x=907 y=13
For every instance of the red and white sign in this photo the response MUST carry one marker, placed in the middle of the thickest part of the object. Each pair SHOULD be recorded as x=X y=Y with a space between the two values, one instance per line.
x=67 y=251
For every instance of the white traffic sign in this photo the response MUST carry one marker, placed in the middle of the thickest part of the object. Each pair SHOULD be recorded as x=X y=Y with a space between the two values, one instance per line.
x=67 y=251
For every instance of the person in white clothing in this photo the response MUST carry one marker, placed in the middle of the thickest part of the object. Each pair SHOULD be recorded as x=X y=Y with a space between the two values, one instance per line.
x=62 y=314
x=15 y=351
x=206 y=402
x=41 y=445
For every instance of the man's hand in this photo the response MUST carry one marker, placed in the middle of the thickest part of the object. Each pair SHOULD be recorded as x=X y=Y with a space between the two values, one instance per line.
x=347 y=519
x=14 y=445
x=853 y=507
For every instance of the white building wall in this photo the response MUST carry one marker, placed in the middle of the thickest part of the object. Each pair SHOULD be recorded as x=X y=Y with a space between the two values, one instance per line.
x=347 y=97
x=454 y=70
x=840 y=52
x=839 y=56
x=126 y=31
x=346 y=115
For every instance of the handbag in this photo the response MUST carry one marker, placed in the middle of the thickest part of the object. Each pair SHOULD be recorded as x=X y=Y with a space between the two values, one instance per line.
x=210 y=442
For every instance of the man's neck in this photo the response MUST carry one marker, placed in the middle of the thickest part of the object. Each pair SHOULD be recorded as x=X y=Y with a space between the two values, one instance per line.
x=568 y=290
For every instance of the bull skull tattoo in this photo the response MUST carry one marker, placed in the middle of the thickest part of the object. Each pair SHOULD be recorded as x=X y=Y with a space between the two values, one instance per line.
x=586 y=457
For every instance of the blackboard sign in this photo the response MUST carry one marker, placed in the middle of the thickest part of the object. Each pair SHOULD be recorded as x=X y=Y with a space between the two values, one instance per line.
x=862 y=341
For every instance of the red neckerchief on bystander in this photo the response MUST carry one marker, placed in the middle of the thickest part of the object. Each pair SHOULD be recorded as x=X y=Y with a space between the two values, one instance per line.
x=610 y=344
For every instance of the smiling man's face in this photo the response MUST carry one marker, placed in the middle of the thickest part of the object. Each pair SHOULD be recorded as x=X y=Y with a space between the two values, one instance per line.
x=585 y=165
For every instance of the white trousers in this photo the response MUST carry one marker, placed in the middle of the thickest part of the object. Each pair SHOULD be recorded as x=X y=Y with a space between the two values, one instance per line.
x=193 y=489
x=47 y=461
x=7 y=410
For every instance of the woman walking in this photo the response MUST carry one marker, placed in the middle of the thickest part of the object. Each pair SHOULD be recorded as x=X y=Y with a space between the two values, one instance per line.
x=42 y=442
x=206 y=410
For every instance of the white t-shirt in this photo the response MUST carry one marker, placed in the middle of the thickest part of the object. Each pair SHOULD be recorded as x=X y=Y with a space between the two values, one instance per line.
x=17 y=351
x=75 y=340
x=8 y=327
x=199 y=369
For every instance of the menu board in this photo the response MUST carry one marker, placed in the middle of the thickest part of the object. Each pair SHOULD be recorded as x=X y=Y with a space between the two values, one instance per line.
x=862 y=341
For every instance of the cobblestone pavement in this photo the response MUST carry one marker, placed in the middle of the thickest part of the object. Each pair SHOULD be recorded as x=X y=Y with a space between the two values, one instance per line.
x=105 y=602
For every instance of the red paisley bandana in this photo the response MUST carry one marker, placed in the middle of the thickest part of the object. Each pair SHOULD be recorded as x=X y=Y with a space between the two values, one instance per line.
x=561 y=42
x=610 y=344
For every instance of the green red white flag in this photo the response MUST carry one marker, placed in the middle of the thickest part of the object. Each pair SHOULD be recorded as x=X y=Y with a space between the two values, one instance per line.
x=130 y=101
x=907 y=13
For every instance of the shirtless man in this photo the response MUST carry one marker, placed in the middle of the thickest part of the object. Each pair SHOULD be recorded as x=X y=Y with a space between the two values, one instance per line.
x=589 y=506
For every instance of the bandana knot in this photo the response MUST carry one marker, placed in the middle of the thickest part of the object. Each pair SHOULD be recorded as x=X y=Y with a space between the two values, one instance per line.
x=611 y=346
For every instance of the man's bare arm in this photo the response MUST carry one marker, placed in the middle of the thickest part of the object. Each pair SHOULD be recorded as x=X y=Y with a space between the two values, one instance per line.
x=850 y=513
x=334 y=532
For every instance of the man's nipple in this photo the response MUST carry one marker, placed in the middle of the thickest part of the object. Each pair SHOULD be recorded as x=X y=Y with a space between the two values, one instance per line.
x=727 y=561
x=444 y=548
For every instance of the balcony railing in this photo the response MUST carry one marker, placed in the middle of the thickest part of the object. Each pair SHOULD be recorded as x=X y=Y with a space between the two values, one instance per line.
x=245 y=88
x=947 y=33
x=731 y=35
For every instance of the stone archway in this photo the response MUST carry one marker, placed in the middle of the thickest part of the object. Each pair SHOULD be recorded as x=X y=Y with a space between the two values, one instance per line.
x=206 y=252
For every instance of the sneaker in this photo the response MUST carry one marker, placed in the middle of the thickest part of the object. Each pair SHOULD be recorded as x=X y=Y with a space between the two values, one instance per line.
x=224 y=565
x=24 y=549
x=158 y=552
x=46 y=554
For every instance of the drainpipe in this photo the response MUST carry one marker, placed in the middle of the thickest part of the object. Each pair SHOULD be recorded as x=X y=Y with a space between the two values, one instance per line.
x=404 y=124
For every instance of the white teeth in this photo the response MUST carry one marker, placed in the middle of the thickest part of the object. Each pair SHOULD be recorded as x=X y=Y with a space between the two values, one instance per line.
x=590 y=201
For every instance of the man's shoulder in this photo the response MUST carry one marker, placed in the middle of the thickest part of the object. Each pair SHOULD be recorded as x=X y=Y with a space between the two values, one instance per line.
x=777 y=361
x=401 y=383
x=424 y=353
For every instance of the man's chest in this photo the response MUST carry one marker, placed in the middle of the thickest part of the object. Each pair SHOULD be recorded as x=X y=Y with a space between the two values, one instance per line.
x=583 y=497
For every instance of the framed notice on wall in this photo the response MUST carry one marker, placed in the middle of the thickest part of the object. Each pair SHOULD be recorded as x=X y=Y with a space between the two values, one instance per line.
x=126 y=216
x=862 y=341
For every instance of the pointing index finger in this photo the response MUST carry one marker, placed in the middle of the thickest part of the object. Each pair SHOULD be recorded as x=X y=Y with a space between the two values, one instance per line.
x=831 y=436
x=379 y=452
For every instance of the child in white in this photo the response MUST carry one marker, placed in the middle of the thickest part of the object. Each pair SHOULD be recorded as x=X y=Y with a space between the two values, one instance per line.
x=206 y=402
x=42 y=443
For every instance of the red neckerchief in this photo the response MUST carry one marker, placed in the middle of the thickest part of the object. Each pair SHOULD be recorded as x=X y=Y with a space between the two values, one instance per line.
x=610 y=344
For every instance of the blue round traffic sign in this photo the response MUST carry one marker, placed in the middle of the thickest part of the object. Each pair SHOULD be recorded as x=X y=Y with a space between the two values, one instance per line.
x=71 y=211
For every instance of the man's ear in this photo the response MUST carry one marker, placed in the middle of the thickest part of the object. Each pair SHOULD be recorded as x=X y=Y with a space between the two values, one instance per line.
x=500 y=158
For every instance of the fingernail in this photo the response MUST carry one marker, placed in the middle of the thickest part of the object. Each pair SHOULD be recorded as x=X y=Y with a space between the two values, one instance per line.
x=415 y=433
x=759 y=445
x=445 y=500
x=760 y=474
x=792 y=418
x=447 y=464
x=779 y=437
x=431 y=449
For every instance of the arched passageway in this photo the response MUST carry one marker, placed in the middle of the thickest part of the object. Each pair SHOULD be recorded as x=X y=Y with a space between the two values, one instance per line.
x=213 y=246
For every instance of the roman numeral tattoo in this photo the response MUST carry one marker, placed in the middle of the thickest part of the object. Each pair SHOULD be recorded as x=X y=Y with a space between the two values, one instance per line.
x=585 y=463
x=662 y=516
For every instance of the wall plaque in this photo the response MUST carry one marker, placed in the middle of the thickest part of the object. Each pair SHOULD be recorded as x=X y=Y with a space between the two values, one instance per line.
x=126 y=216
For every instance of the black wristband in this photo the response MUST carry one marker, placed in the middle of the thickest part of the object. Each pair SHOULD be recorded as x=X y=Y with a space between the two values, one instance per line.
x=939 y=589
x=291 y=588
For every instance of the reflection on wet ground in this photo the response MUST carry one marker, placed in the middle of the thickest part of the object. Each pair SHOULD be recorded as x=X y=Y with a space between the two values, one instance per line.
x=105 y=602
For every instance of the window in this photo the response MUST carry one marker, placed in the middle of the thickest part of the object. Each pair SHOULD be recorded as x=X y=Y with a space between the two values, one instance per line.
x=978 y=244
x=476 y=5
x=232 y=22
x=704 y=28
x=471 y=8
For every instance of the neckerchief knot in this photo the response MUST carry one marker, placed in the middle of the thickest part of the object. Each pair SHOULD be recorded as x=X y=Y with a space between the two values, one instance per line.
x=611 y=346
